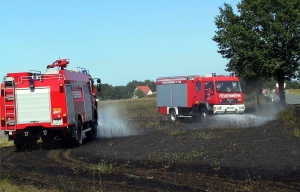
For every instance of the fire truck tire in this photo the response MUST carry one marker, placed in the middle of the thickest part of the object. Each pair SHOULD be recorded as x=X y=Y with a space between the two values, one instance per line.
x=202 y=115
x=95 y=130
x=46 y=143
x=173 y=116
x=78 y=127
x=20 y=146
x=92 y=134
x=32 y=145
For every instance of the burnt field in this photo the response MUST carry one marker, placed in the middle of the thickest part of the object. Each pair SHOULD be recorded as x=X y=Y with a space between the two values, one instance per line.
x=140 y=150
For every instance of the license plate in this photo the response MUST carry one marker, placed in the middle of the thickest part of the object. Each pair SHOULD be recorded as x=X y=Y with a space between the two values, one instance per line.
x=230 y=107
x=57 y=122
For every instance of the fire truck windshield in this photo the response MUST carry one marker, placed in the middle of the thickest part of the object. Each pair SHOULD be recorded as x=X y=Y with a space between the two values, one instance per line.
x=228 y=86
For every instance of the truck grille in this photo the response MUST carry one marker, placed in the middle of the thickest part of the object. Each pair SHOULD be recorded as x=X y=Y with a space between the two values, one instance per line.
x=233 y=100
x=33 y=105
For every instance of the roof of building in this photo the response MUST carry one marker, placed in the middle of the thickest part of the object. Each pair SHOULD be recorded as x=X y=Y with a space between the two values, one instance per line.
x=145 y=89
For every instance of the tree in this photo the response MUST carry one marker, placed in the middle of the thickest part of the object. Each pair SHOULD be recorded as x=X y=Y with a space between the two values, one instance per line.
x=139 y=93
x=292 y=85
x=107 y=91
x=119 y=92
x=263 y=41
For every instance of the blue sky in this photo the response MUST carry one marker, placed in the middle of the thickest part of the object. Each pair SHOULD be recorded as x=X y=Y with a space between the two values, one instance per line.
x=117 y=40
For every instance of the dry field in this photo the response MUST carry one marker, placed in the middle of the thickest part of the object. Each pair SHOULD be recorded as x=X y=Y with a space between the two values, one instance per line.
x=140 y=150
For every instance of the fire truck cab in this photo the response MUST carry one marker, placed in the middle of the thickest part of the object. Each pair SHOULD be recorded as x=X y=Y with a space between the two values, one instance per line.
x=60 y=103
x=196 y=96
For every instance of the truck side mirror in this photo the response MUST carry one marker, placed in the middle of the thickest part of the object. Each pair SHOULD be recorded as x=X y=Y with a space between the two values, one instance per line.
x=98 y=81
x=98 y=88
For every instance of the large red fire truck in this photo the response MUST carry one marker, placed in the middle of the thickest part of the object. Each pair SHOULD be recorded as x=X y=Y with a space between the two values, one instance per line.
x=58 y=104
x=195 y=96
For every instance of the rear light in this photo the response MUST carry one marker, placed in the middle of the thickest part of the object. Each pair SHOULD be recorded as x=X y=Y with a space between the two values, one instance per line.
x=2 y=122
x=14 y=135
x=61 y=87
x=65 y=119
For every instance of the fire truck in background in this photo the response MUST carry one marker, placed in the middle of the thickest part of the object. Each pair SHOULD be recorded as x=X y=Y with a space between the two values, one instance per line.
x=58 y=104
x=196 y=96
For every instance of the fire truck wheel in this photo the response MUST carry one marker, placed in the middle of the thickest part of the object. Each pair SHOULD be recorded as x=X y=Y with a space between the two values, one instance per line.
x=92 y=134
x=173 y=116
x=94 y=130
x=203 y=115
x=20 y=146
x=79 y=133
x=32 y=145
x=46 y=143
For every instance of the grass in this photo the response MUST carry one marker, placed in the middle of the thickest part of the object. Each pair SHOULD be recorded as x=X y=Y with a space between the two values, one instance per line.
x=5 y=143
x=293 y=91
x=6 y=186
x=288 y=117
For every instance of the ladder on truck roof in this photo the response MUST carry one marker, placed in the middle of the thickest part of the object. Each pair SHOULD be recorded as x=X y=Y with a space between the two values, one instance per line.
x=9 y=104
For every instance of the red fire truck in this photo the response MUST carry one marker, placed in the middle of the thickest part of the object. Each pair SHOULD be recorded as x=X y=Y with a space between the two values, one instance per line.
x=58 y=104
x=195 y=96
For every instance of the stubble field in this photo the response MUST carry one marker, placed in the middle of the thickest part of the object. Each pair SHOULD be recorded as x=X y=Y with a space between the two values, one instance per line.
x=140 y=150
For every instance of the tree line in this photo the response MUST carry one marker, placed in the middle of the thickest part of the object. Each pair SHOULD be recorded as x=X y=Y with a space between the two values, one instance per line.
x=109 y=92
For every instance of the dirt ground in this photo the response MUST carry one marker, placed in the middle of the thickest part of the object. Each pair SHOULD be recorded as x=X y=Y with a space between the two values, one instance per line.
x=261 y=158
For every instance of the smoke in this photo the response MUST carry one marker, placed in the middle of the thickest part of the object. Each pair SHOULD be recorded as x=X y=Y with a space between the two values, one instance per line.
x=238 y=120
x=262 y=117
x=110 y=125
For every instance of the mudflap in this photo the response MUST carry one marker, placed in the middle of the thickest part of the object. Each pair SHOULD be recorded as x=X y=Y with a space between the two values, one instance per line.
x=92 y=134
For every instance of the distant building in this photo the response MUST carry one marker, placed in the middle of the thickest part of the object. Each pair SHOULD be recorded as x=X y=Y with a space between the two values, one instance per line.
x=146 y=89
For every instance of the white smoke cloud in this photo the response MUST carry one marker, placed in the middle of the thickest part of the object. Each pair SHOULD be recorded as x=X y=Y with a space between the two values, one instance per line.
x=110 y=125
x=238 y=120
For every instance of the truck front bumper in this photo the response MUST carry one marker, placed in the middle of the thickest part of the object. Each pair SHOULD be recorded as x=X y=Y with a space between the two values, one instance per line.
x=229 y=108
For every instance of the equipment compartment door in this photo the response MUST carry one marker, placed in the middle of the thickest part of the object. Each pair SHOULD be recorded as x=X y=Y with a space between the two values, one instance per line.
x=163 y=95
x=172 y=95
x=33 y=105
x=179 y=95
x=87 y=103
x=70 y=104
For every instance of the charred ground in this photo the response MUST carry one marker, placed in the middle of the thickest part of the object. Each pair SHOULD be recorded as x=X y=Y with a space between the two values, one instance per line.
x=158 y=156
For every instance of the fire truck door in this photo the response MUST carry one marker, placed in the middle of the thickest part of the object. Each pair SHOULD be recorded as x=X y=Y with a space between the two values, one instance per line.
x=199 y=92
x=209 y=90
